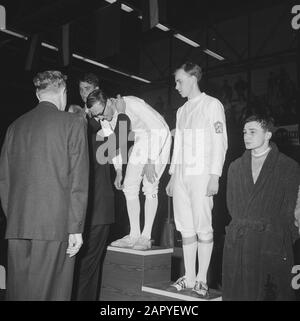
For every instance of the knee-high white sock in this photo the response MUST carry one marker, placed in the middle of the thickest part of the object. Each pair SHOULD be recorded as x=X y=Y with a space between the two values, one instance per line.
x=189 y=247
x=204 y=254
x=133 y=209
x=151 y=204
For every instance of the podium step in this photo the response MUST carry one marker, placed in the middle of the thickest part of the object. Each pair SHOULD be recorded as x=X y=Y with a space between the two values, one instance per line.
x=162 y=290
x=155 y=250
x=125 y=271
x=132 y=275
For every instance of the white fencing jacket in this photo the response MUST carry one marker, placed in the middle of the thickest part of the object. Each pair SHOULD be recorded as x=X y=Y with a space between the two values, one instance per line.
x=148 y=125
x=201 y=138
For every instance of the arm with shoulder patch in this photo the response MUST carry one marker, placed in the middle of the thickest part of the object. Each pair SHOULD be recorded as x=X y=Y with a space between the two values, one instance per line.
x=218 y=137
x=177 y=145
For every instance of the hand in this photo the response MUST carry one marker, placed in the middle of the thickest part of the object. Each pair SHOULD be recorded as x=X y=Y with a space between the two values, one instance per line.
x=89 y=113
x=170 y=186
x=75 y=243
x=118 y=180
x=149 y=171
x=213 y=185
x=75 y=109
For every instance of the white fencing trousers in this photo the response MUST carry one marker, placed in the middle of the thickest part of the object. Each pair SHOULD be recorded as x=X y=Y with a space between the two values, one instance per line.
x=134 y=170
x=192 y=208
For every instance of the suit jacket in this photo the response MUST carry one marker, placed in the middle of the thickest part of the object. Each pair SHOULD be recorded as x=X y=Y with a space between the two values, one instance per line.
x=44 y=170
x=101 y=204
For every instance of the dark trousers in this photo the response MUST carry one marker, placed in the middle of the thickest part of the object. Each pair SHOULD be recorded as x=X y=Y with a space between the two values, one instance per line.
x=87 y=277
x=39 y=271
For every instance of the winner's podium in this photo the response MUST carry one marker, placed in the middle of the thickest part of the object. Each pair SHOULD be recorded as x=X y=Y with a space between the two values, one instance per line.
x=132 y=275
x=126 y=271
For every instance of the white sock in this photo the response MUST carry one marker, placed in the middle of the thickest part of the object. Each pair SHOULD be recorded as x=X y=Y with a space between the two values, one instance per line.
x=151 y=204
x=189 y=246
x=133 y=209
x=204 y=255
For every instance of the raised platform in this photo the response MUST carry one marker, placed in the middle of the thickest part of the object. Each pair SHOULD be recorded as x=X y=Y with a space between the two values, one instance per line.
x=155 y=250
x=163 y=289
x=132 y=275
x=125 y=271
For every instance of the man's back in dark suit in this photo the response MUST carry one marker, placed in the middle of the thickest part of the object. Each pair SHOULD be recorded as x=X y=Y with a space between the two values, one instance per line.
x=43 y=188
x=43 y=146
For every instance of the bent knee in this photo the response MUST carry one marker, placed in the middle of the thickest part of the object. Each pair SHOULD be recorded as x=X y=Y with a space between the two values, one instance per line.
x=131 y=192
x=205 y=237
x=150 y=191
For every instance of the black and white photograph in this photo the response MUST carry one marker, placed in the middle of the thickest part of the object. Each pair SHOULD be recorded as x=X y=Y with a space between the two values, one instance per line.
x=149 y=153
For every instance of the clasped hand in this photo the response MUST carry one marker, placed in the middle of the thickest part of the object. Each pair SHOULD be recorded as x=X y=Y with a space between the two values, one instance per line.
x=75 y=243
x=213 y=185
x=149 y=171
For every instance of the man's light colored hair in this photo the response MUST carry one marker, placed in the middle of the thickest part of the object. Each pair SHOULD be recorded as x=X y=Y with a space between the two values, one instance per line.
x=192 y=69
x=49 y=80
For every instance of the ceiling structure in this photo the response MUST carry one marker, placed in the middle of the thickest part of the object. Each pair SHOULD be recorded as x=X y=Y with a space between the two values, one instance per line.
x=47 y=17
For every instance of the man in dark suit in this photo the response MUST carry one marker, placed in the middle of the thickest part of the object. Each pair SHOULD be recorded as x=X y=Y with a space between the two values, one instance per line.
x=43 y=188
x=101 y=205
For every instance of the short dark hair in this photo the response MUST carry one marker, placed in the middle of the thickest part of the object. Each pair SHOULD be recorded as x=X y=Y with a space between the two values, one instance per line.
x=96 y=96
x=266 y=122
x=90 y=78
x=192 y=69
x=50 y=79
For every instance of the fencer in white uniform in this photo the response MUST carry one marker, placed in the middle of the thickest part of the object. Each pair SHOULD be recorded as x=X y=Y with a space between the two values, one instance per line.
x=147 y=161
x=198 y=157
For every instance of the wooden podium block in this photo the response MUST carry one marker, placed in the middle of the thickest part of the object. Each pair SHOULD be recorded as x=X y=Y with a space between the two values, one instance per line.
x=125 y=271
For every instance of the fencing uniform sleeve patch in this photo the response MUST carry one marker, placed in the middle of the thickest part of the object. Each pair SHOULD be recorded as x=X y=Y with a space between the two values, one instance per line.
x=218 y=127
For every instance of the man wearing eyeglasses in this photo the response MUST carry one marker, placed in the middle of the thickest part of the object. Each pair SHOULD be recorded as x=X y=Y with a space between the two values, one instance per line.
x=100 y=211
x=147 y=161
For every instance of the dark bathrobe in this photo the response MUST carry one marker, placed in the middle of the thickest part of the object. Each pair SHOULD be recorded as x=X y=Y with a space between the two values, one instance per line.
x=258 y=251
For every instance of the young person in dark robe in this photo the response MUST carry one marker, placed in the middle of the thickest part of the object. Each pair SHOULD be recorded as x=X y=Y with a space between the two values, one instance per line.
x=262 y=191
